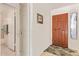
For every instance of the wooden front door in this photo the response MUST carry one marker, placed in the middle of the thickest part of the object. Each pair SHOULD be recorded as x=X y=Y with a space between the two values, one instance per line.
x=60 y=30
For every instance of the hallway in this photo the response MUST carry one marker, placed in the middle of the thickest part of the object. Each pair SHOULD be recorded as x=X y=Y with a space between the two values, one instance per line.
x=8 y=30
x=28 y=30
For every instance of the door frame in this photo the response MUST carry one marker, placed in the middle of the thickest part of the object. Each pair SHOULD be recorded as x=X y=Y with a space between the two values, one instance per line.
x=17 y=15
x=52 y=27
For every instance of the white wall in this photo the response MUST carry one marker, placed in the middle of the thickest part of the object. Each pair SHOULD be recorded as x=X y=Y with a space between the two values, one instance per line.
x=11 y=36
x=21 y=28
x=8 y=19
x=23 y=19
x=41 y=37
x=0 y=31
x=24 y=26
x=72 y=43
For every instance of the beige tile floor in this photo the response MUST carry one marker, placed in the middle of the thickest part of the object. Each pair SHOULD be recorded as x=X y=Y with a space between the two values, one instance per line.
x=47 y=54
x=59 y=51
x=5 y=51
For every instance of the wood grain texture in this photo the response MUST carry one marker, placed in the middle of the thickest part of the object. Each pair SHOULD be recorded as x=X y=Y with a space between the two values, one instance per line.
x=60 y=30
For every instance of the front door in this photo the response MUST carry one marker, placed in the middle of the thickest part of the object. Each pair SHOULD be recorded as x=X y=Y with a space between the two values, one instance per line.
x=60 y=30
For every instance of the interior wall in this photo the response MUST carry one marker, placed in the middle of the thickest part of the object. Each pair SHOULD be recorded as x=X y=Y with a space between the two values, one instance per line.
x=72 y=43
x=11 y=36
x=21 y=29
x=24 y=26
x=8 y=19
x=0 y=31
x=41 y=37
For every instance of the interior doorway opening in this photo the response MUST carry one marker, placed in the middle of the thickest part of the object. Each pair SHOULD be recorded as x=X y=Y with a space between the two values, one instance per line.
x=8 y=30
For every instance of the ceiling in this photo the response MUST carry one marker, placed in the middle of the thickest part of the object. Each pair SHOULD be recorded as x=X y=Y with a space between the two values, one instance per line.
x=50 y=6
x=53 y=5
x=58 y=5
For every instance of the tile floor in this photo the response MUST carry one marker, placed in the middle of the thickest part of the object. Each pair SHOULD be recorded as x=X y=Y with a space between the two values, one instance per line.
x=47 y=54
x=59 y=51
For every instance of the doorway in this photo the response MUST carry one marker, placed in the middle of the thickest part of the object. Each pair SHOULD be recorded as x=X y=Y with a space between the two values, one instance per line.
x=60 y=30
x=8 y=30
